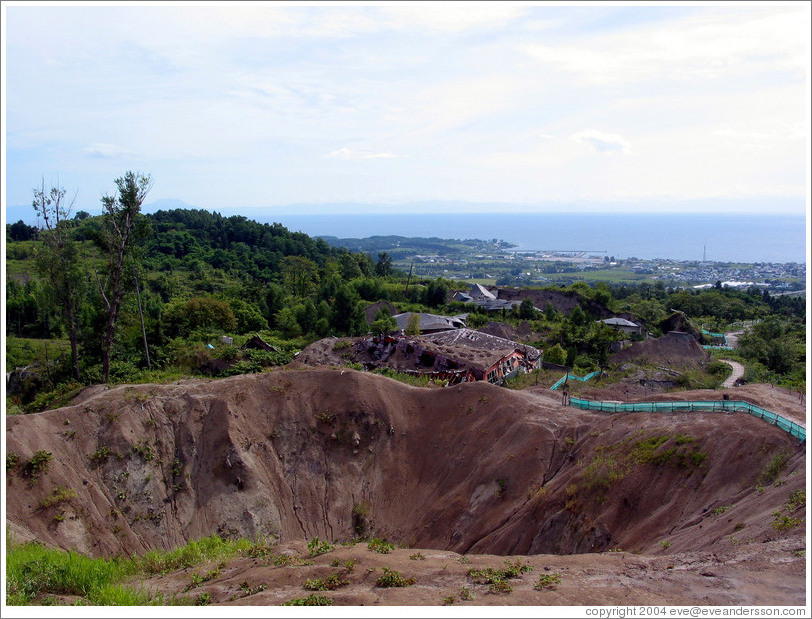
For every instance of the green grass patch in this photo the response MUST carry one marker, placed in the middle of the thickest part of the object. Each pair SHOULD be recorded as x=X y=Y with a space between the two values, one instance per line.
x=775 y=467
x=311 y=600
x=36 y=573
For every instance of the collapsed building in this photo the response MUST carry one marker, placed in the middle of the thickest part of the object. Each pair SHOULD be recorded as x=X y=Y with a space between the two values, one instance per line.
x=458 y=355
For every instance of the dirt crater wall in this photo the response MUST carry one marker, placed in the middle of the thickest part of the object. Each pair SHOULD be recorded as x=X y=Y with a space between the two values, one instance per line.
x=295 y=454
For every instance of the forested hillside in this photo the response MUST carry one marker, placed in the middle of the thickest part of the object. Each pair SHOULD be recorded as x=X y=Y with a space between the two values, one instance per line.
x=127 y=297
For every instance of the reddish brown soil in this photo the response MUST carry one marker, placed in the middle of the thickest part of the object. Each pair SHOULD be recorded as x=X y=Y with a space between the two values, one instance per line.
x=472 y=469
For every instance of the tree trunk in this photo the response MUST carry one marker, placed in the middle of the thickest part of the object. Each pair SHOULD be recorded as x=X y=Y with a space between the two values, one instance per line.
x=141 y=316
x=74 y=338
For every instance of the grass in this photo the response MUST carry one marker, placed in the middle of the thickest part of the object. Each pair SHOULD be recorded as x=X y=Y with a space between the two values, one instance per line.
x=403 y=377
x=311 y=600
x=36 y=573
x=776 y=466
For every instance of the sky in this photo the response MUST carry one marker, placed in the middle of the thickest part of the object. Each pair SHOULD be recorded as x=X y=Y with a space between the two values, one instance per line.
x=437 y=105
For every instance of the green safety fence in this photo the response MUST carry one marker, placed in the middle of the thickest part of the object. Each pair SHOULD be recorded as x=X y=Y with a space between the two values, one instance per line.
x=722 y=335
x=711 y=406
x=713 y=334
x=573 y=377
x=718 y=347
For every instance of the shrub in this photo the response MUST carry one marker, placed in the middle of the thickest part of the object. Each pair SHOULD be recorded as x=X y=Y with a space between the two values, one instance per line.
x=500 y=586
x=310 y=600
x=491 y=575
x=58 y=495
x=11 y=460
x=796 y=499
x=347 y=564
x=380 y=545
x=331 y=583
x=100 y=456
x=144 y=450
x=37 y=464
x=392 y=578
x=318 y=547
x=547 y=581
x=774 y=468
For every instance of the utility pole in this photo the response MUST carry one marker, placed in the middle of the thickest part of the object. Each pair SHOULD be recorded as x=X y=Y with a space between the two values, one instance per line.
x=411 y=266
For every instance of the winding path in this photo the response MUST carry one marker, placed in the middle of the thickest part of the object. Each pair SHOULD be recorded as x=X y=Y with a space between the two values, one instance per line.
x=738 y=372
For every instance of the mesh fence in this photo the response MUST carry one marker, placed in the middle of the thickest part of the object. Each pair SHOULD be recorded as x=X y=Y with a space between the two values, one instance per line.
x=710 y=406
x=573 y=377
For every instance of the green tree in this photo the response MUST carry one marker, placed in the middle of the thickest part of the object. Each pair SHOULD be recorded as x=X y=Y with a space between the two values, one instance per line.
x=383 y=323
x=183 y=316
x=299 y=274
x=435 y=293
x=527 y=311
x=413 y=324
x=383 y=268
x=307 y=316
x=347 y=315
x=58 y=261
x=22 y=231
x=556 y=354
x=550 y=312
x=577 y=316
x=286 y=322
x=248 y=316
x=123 y=227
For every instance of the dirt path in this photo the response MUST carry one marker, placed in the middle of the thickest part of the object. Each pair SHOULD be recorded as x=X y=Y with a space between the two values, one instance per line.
x=732 y=338
x=738 y=372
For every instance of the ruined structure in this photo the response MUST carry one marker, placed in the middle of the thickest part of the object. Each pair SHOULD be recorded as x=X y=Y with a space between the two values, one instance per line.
x=458 y=355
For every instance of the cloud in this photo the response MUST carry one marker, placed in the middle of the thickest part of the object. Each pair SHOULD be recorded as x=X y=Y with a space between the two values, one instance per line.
x=602 y=142
x=452 y=17
x=348 y=153
x=705 y=46
x=100 y=150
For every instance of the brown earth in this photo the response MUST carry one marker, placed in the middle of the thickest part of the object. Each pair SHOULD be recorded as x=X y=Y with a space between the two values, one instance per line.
x=627 y=508
x=674 y=350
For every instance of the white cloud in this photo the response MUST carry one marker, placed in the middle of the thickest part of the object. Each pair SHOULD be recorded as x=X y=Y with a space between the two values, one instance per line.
x=452 y=16
x=106 y=151
x=348 y=153
x=705 y=46
x=602 y=142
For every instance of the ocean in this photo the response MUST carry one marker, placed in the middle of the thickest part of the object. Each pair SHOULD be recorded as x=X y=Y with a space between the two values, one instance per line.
x=692 y=236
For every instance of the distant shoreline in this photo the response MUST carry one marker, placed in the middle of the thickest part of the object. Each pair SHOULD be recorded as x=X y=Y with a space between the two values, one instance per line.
x=746 y=239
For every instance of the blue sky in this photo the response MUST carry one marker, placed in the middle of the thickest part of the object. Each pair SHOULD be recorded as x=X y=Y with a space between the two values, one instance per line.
x=529 y=106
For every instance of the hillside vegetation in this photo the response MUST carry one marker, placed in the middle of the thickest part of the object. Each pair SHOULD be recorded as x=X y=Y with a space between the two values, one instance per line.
x=194 y=277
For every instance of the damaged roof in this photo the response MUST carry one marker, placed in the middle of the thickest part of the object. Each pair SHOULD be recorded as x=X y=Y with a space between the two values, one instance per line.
x=430 y=322
x=474 y=348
